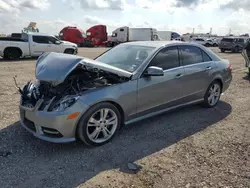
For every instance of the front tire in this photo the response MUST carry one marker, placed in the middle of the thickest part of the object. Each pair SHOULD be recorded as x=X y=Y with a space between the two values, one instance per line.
x=99 y=124
x=222 y=50
x=212 y=95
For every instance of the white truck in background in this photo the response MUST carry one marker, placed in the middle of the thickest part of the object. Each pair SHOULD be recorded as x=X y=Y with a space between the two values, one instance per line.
x=165 y=35
x=33 y=44
x=126 y=34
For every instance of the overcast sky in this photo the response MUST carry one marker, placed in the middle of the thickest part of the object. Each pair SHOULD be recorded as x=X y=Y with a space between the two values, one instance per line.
x=176 y=15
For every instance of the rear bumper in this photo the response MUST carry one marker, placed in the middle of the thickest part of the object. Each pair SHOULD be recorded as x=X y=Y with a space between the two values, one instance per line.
x=226 y=84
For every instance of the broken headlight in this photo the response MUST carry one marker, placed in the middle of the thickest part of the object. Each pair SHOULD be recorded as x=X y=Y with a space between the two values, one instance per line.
x=65 y=103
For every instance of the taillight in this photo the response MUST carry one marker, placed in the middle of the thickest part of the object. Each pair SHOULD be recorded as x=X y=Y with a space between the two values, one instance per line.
x=230 y=68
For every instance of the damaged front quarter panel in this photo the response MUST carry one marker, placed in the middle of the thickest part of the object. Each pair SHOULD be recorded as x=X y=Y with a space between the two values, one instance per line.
x=62 y=75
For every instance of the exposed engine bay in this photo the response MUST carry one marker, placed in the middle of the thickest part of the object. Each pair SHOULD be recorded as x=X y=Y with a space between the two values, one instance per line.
x=81 y=79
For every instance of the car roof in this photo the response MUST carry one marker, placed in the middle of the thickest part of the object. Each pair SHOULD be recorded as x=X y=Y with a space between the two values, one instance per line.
x=159 y=44
x=39 y=34
x=234 y=37
x=156 y=44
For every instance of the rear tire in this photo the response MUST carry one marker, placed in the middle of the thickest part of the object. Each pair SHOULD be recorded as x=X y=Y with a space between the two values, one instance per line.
x=222 y=50
x=92 y=122
x=249 y=71
x=212 y=95
x=12 y=54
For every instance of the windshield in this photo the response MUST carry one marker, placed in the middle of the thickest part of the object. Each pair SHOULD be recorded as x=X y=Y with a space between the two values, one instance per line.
x=126 y=57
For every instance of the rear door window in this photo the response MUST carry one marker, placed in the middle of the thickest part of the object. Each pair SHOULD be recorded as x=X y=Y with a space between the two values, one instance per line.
x=205 y=57
x=190 y=55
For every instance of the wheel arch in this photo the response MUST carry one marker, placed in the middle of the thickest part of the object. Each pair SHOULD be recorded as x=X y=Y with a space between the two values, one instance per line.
x=118 y=106
x=12 y=47
x=218 y=79
x=69 y=49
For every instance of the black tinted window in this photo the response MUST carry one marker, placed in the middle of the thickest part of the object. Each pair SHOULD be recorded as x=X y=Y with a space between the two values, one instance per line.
x=241 y=40
x=167 y=58
x=190 y=55
x=51 y=40
x=205 y=57
x=40 y=39
x=199 y=39
x=227 y=40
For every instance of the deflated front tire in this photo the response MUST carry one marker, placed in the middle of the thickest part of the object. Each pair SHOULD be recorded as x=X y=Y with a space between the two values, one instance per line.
x=99 y=124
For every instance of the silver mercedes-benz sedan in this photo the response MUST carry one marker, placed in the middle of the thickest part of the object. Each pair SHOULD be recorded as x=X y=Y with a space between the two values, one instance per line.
x=76 y=97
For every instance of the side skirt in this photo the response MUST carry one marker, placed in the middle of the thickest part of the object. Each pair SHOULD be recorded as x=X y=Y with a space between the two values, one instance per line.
x=162 y=111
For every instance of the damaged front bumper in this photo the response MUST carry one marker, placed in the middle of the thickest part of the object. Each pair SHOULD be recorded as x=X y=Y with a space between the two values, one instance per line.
x=53 y=127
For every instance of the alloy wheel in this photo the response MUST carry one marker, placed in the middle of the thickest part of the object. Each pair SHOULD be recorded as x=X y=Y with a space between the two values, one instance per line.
x=214 y=94
x=102 y=125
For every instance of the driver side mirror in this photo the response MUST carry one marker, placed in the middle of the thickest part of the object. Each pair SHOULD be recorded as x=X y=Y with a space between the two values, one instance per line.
x=57 y=42
x=154 y=71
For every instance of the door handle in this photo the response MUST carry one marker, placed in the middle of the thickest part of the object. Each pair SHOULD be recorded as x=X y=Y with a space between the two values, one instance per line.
x=178 y=76
x=208 y=68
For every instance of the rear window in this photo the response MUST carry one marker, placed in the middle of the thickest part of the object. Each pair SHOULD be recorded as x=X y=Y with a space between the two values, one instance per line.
x=227 y=40
x=241 y=40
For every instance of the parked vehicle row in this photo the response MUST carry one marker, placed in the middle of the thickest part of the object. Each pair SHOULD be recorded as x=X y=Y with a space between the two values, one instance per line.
x=80 y=98
x=33 y=44
x=233 y=44
x=205 y=42
x=98 y=36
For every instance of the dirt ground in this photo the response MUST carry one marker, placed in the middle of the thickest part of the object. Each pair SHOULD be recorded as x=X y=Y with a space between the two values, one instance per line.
x=191 y=147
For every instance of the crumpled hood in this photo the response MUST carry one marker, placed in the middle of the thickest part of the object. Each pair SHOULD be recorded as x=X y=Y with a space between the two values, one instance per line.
x=55 y=67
